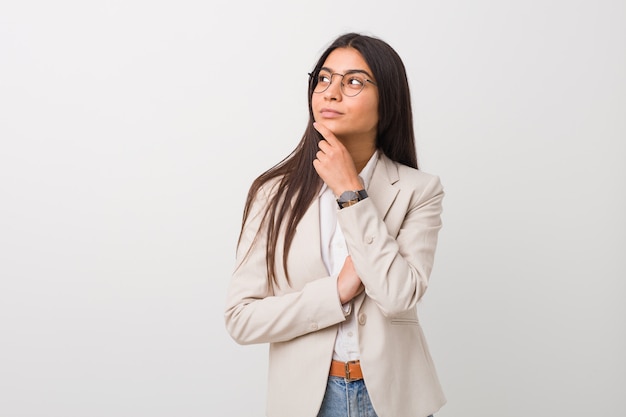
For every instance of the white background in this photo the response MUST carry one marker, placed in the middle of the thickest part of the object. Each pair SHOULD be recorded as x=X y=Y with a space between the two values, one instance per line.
x=131 y=130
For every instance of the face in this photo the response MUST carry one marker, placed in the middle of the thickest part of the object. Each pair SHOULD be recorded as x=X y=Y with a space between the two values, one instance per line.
x=349 y=118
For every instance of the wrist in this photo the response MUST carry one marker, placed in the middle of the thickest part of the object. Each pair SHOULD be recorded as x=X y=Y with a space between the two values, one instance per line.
x=352 y=185
x=350 y=198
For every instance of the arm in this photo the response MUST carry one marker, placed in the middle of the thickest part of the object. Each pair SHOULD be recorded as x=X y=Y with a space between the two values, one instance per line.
x=395 y=270
x=257 y=314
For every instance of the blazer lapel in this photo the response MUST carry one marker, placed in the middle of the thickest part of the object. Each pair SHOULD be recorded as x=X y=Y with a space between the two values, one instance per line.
x=382 y=189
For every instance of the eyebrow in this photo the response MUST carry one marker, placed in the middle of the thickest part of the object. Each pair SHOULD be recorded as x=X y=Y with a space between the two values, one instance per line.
x=350 y=71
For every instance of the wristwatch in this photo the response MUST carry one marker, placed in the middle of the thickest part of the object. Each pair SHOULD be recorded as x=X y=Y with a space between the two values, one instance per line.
x=349 y=198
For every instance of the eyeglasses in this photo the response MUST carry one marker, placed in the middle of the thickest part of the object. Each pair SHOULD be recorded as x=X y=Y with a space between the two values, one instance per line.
x=352 y=82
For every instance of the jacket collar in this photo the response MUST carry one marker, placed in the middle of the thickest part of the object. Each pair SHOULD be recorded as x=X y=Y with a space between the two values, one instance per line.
x=382 y=187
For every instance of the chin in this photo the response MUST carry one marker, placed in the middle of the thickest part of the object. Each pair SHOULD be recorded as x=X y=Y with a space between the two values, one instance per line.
x=333 y=125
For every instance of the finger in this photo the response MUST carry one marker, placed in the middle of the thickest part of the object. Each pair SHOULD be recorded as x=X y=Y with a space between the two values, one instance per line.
x=319 y=168
x=326 y=133
x=323 y=145
x=326 y=148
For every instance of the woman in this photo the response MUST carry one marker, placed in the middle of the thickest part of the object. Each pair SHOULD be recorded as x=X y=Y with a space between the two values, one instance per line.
x=336 y=247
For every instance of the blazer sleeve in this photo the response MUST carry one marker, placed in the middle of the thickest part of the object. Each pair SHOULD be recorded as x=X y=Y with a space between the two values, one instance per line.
x=395 y=269
x=257 y=313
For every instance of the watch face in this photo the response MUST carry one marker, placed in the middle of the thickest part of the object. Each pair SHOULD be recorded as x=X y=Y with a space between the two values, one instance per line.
x=347 y=196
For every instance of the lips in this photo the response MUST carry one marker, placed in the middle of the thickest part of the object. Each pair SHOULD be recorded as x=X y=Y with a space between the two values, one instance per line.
x=329 y=113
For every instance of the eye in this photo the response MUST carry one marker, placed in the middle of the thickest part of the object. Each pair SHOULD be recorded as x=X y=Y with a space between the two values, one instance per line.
x=355 y=81
x=323 y=78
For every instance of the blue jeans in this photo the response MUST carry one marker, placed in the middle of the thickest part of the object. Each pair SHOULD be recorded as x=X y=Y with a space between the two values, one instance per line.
x=346 y=399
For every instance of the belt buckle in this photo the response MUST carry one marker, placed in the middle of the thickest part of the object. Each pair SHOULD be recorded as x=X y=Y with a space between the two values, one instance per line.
x=347 y=365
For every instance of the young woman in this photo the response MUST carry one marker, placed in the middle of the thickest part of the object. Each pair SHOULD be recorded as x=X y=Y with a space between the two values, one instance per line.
x=336 y=247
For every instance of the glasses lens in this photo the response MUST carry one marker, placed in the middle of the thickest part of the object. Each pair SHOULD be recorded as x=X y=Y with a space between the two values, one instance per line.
x=324 y=78
x=352 y=84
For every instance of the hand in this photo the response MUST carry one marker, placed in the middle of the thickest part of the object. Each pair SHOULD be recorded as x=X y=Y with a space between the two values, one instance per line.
x=334 y=163
x=349 y=284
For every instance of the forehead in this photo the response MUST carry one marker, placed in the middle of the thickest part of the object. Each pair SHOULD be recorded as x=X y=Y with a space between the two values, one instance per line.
x=346 y=59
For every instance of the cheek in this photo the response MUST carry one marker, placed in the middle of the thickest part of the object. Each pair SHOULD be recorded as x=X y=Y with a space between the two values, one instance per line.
x=372 y=113
x=315 y=101
x=315 y=106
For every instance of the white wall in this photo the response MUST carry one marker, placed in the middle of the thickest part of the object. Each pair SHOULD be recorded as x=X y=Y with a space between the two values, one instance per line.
x=131 y=130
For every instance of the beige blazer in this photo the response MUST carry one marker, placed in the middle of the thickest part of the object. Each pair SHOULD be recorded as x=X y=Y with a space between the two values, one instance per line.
x=391 y=236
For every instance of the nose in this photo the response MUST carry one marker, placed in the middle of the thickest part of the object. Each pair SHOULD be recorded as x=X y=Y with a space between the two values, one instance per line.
x=333 y=92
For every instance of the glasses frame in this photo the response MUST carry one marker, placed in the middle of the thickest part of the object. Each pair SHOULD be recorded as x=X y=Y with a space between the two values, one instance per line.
x=342 y=85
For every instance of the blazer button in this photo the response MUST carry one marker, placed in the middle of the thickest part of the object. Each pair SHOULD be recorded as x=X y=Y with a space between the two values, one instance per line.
x=362 y=319
x=314 y=326
x=369 y=239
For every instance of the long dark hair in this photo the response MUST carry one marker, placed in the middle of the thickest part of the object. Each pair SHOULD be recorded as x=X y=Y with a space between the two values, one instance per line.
x=297 y=181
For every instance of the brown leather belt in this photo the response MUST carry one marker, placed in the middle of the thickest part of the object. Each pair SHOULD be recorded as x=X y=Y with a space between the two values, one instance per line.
x=351 y=371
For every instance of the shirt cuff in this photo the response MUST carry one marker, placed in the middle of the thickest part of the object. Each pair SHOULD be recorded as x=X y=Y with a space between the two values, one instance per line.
x=347 y=308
